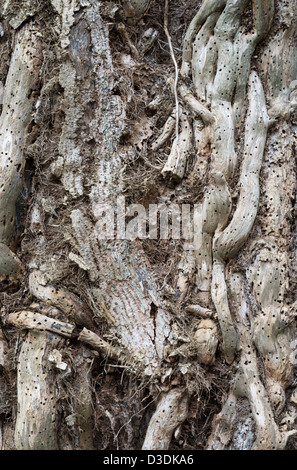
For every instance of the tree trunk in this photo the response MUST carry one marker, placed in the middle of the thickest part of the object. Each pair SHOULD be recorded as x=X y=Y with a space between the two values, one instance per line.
x=116 y=334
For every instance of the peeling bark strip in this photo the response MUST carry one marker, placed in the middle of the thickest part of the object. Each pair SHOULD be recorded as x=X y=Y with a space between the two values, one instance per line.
x=18 y=99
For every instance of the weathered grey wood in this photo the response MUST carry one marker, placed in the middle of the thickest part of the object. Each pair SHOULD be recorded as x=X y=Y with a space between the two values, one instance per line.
x=37 y=321
x=170 y=413
x=17 y=103
x=97 y=343
x=27 y=320
x=247 y=384
x=36 y=423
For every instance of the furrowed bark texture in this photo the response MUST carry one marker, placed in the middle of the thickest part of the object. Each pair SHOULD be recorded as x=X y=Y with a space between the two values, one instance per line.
x=116 y=342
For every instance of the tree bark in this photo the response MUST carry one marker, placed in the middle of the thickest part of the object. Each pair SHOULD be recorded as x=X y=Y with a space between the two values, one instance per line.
x=138 y=342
